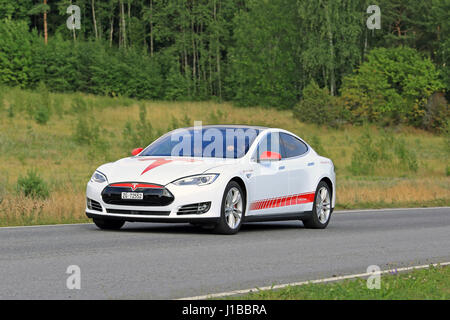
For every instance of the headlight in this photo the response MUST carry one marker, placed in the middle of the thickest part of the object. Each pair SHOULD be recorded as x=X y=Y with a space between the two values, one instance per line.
x=199 y=180
x=98 y=177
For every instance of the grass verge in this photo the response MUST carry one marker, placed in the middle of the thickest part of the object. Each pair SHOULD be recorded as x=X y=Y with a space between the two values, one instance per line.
x=431 y=283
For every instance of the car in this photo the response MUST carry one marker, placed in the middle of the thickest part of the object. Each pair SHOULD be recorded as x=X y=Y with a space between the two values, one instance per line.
x=219 y=176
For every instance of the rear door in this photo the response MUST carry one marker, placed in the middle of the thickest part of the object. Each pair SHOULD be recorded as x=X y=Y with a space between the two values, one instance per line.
x=299 y=165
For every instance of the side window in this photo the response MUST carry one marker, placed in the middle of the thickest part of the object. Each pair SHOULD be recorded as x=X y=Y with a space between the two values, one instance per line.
x=271 y=142
x=292 y=146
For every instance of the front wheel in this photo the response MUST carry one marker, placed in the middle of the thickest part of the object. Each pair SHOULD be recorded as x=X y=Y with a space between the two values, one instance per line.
x=321 y=211
x=232 y=209
x=108 y=224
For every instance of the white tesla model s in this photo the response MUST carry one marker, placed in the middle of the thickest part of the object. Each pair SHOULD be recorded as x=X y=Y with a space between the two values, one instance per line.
x=218 y=176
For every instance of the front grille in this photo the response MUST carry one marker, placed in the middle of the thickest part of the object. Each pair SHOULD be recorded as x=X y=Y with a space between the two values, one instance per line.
x=94 y=205
x=139 y=212
x=153 y=196
x=195 y=208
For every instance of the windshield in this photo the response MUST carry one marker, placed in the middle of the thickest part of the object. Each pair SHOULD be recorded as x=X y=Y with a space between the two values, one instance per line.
x=210 y=142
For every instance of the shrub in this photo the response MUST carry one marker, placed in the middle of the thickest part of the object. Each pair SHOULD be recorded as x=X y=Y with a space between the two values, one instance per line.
x=11 y=111
x=407 y=159
x=2 y=95
x=317 y=106
x=141 y=133
x=42 y=115
x=16 y=44
x=79 y=105
x=446 y=133
x=436 y=113
x=58 y=105
x=392 y=86
x=385 y=151
x=32 y=185
x=86 y=131
x=316 y=143
x=366 y=155
x=43 y=111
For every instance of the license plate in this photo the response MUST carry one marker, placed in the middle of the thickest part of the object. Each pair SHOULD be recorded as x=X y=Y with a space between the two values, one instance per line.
x=132 y=196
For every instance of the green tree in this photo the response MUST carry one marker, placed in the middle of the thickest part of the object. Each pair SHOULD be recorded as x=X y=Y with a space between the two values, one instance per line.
x=393 y=85
x=263 y=62
x=16 y=47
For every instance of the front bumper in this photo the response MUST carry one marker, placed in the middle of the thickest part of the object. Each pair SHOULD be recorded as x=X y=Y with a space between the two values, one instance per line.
x=183 y=195
x=140 y=218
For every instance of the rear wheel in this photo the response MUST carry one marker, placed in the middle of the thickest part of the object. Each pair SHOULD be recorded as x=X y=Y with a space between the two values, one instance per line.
x=108 y=224
x=232 y=212
x=321 y=212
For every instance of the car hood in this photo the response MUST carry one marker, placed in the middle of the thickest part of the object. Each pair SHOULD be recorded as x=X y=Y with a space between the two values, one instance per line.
x=158 y=170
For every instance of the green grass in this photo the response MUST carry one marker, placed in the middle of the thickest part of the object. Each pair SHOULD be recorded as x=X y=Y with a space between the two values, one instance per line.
x=403 y=167
x=431 y=283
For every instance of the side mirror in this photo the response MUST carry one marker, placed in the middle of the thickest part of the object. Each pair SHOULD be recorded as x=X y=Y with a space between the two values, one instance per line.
x=270 y=156
x=136 y=151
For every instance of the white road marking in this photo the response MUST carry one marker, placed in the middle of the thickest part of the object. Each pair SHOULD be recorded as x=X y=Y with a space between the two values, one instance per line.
x=324 y=280
x=389 y=209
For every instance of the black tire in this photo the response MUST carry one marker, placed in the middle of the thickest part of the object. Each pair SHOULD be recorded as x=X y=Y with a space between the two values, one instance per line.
x=222 y=227
x=314 y=222
x=108 y=224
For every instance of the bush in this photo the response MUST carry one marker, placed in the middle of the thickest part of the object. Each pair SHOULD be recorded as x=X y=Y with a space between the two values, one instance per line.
x=87 y=131
x=437 y=113
x=16 y=44
x=2 y=95
x=447 y=138
x=43 y=111
x=317 y=106
x=141 y=133
x=392 y=86
x=387 y=151
x=32 y=185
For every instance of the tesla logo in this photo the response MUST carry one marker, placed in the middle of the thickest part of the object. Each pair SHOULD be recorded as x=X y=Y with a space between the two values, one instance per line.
x=134 y=186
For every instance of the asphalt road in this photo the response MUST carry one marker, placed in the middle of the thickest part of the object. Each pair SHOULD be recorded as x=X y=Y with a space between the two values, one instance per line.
x=153 y=261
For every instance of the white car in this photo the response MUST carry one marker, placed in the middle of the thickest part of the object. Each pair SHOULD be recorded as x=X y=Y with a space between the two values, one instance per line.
x=218 y=176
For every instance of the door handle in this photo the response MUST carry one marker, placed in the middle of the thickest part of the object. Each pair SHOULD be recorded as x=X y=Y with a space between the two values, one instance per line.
x=281 y=167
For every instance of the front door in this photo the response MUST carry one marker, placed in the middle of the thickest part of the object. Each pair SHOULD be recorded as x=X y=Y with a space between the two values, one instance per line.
x=269 y=182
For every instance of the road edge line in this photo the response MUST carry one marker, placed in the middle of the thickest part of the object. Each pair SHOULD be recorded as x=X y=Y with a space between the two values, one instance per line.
x=323 y=280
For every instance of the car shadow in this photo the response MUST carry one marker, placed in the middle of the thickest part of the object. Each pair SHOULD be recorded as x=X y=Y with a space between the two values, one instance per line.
x=190 y=229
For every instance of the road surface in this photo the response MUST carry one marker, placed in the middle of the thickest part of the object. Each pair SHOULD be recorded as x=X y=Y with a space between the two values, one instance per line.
x=161 y=261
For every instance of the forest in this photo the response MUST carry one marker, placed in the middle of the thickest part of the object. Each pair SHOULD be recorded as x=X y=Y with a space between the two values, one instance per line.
x=315 y=57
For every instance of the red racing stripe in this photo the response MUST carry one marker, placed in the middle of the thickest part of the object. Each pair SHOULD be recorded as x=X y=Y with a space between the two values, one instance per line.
x=284 y=201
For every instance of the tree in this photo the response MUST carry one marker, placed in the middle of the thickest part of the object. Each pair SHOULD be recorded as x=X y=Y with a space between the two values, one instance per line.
x=42 y=8
x=263 y=62
x=393 y=85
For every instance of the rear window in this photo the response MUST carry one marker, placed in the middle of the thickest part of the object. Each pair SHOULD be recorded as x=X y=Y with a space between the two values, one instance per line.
x=291 y=146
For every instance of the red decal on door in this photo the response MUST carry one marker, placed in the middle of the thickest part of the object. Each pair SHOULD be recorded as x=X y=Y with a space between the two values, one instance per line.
x=285 y=201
